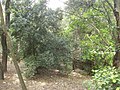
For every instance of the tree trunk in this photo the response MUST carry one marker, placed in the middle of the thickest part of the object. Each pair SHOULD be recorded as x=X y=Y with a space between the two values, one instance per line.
x=7 y=13
x=116 y=60
x=4 y=51
x=3 y=37
x=10 y=45
x=1 y=72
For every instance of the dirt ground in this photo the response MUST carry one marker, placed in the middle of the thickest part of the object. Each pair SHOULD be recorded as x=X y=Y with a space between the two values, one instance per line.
x=43 y=82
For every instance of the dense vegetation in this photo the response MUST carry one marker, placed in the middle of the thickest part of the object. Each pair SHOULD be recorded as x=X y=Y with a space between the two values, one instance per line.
x=36 y=32
x=84 y=36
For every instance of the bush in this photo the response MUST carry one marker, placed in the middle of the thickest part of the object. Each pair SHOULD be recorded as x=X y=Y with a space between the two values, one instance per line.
x=48 y=61
x=107 y=78
x=38 y=37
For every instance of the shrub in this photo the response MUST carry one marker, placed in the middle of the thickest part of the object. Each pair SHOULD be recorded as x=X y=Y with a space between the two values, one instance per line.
x=107 y=78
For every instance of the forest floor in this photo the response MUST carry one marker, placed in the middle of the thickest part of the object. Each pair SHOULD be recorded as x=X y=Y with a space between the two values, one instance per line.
x=43 y=81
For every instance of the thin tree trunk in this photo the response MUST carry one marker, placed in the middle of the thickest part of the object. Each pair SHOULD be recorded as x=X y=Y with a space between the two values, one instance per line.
x=10 y=45
x=7 y=13
x=1 y=72
x=116 y=61
x=4 y=51
x=3 y=37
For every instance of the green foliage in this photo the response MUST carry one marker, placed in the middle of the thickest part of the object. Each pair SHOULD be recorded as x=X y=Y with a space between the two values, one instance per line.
x=94 y=49
x=36 y=30
x=87 y=33
x=30 y=62
x=96 y=30
x=107 y=78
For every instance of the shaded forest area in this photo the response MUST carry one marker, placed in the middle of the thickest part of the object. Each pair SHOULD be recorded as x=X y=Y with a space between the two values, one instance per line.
x=75 y=48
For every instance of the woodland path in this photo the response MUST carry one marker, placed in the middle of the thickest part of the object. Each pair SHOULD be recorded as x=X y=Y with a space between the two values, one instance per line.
x=42 y=82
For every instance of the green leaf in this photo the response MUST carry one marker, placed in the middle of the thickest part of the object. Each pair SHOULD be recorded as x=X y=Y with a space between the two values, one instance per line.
x=114 y=80
x=118 y=88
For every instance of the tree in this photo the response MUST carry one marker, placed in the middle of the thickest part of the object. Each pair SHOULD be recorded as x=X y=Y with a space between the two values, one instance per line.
x=3 y=36
x=92 y=19
x=36 y=29
x=1 y=72
x=10 y=44
x=116 y=61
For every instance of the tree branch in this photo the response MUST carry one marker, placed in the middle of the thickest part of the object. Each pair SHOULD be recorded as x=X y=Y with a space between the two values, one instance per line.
x=110 y=4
